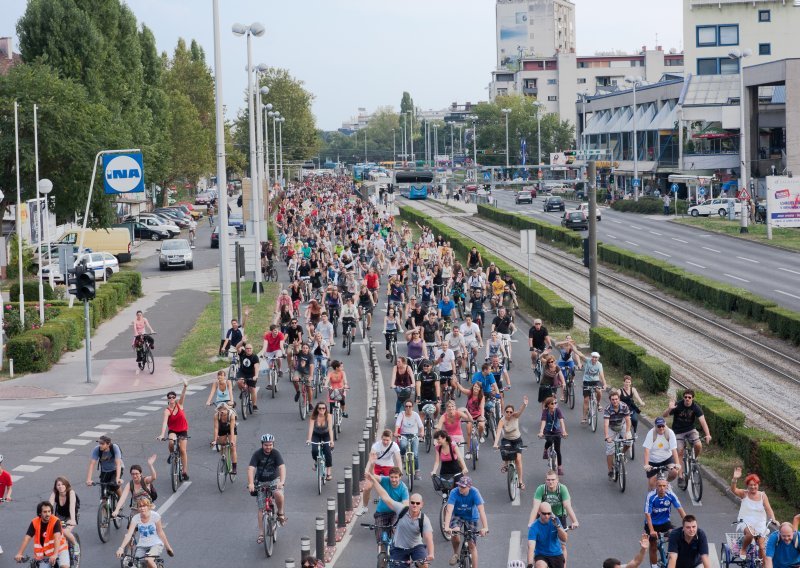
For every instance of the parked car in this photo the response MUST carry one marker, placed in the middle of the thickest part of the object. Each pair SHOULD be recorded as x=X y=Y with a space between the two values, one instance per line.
x=718 y=206
x=144 y=232
x=523 y=197
x=553 y=203
x=237 y=221
x=575 y=220
x=203 y=198
x=156 y=222
x=585 y=208
x=189 y=209
x=176 y=252
x=104 y=265
x=232 y=232
x=177 y=217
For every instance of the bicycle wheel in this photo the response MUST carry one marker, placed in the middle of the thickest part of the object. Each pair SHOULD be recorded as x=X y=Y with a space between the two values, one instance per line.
x=571 y=394
x=175 y=476
x=725 y=556
x=474 y=446
x=683 y=479
x=303 y=402
x=113 y=505
x=511 y=480
x=441 y=521
x=273 y=382
x=428 y=434
x=149 y=361
x=243 y=403
x=697 y=482
x=222 y=473
x=249 y=406
x=273 y=274
x=75 y=560
x=269 y=533
x=349 y=341
x=466 y=558
x=335 y=417
x=410 y=468
x=383 y=560
x=393 y=352
x=552 y=459
x=593 y=412
x=141 y=360
x=103 y=522
x=320 y=473
x=632 y=449
x=621 y=475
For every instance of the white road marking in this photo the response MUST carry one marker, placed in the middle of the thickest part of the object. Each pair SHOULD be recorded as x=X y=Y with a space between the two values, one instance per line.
x=637 y=227
x=123 y=420
x=44 y=459
x=136 y=414
x=748 y=259
x=735 y=277
x=15 y=478
x=517 y=501
x=196 y=387
x=788 y=294
x=654 y=233
x=174 y=497
x=617 y=222
x=712 y=554
x=156 y=403
x=74 y=398
x=27 y=468
x=16 y=422
x=632 y=243
x=612 y=236
x=712 y=250
x=148 y=408
x=697 y=265
x=514 y=546
x=108 y=426
x=91 y=434
x=680 y=240
x=60 y=451
x=77 y=442
x=788 y=270
x=662 y=253
x=31 y=415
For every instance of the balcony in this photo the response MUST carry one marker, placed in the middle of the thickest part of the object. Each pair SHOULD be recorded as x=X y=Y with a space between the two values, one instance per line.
x=530 y=91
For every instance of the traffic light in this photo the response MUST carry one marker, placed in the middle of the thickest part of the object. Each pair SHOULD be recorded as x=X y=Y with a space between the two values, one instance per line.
x=72 y=279
x=85 y=287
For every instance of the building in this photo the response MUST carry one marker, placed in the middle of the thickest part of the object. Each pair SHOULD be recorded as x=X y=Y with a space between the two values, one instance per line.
x=357 y=122
x=713 y=28
x=557 y=81
x=533 y=28
x=8 y=58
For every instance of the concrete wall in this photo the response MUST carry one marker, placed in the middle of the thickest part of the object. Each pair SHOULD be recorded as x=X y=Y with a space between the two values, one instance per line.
x=539 y=27
x=793 y=116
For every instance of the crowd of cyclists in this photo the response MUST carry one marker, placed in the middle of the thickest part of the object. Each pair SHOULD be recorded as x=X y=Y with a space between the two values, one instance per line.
x=447 y=331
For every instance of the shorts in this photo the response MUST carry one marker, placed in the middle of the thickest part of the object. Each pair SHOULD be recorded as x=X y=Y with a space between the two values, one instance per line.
x=510 y=448
x=151 y=551
x=181 y=434
x=588 y=386
x=610 y=445
x=551 y=561
x=681 y=438
x=249 y=381
x=445 y=376
x=662 y=528
x=546 y=391
x=653 y=472
x=419 y=552
x=63 y=559
x=458 y=522
x=383 y=519
x=109 y=477
x=381 y=469
x=275 y=354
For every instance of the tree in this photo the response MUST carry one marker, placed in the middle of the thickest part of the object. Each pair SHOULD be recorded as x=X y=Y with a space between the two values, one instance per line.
x=406 y=103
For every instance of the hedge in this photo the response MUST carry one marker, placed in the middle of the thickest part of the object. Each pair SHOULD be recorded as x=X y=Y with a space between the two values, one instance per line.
x=540 y=298
x=37 y=350
x=31 y=290
x=631 y=358
x=722 y=419
x=782 y=322
x=648 y=206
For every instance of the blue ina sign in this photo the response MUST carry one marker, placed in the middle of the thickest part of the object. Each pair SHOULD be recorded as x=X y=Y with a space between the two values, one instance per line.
x=123 y=173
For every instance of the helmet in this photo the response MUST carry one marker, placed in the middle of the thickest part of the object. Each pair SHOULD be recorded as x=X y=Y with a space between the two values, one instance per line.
x=267 y=438
x=516 y=564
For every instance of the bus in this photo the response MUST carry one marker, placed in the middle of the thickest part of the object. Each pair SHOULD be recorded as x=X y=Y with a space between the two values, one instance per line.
x=413 y=184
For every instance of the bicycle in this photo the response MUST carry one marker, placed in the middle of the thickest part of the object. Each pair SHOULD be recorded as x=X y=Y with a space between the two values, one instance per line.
x=270 y=272
x=233 y=368
x=319 y=465
x=108 y=502
x=464 y=555
x=347 y=336
x=335 y=397
x=269 y=514
x=443 y=486
x=731 y=548
x=144 y=355
x=45 y=563
x=318 y=380
x=691 y=471
x=304 y=401
x=569 y=387
x=129 y=561
x=552 y=456
x=508 y=453
x=176 y=462
x=593 y=406
x=618 y=468
x=429 y=410
x=272 y=375
x=384 y=543
x=538 y=368
x=474 y=444
x=491 y=413
x=225 y=467
x=505 y=342
x=363 y=323
x=393 y=348
x=245 y=402
x=333 y=316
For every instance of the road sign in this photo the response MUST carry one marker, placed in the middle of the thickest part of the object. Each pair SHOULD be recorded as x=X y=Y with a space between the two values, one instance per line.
x=674 y=188
x=527 y=240
x=487 y=176
x=635 y=182
x=123 y=173
x=702 y=191
x=743 y=195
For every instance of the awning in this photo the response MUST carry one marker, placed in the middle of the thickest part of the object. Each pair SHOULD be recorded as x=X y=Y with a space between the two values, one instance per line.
x=620 y=118
x=597 y=123
x=666 y=118
x=626 y=166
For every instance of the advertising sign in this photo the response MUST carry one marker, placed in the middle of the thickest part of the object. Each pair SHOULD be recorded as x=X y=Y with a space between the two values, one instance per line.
x=512 y=31
x=783 y=201
x=561 y=159
x=123 y=173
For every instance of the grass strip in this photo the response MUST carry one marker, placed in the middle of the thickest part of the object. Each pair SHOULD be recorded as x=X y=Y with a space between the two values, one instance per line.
x=785 y=238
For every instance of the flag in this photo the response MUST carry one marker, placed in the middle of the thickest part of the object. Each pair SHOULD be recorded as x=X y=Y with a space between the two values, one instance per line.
x=523 y=146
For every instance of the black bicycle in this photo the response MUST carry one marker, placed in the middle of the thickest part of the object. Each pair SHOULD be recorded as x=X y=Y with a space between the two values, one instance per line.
x=144 y=355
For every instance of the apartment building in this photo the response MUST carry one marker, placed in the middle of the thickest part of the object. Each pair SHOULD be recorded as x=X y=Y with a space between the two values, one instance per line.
x=533 y=28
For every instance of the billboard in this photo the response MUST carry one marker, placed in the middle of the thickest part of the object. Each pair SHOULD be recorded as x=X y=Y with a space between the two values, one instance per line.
x=512 y=32
x=561 y=159
x=783 y=201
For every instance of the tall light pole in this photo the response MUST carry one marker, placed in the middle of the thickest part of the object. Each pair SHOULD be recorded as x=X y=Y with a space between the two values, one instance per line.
x=507 y=111
x=39 y=187
x=365 y=145
x=413 y=158
x=280 y=121
x=635 y=81
x=394 y=147
x=18 y=222
x=474 y=120
x=254 y=29
x=435 y=141
x=226 y=307
x=266 y=109
x=744 y=164
x=584 y=96
x=274 y=115
x=405 y=139
x=452 y=145
x=538 y=106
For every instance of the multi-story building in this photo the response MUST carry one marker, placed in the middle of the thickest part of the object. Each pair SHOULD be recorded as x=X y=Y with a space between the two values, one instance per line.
x=713 y=28
x=533 y=28
x=7 y=56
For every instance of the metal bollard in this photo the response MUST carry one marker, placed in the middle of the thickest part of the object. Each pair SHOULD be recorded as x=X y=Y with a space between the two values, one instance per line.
x=348 y=489
x=320 y=538
x=362 y=459
x=290 y=563
x=356 y=469
x=341 y=519
x=305 y=548
x=331 y=527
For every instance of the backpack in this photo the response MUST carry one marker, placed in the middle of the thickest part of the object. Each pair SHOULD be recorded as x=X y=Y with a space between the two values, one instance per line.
x=402 y=514
x=149 y=488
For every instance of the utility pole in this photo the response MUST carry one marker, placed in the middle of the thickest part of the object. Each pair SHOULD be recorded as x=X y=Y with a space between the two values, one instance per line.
x=592 y=181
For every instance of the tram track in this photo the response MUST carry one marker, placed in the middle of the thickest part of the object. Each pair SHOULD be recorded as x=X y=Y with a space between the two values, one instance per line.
x=685 y=372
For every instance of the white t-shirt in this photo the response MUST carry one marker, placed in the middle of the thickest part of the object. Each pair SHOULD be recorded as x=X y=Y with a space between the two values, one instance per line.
x=388 y=457
x=408 y=424
x=470 y=332
x=455 y=342
x=661 y=448
x=445 y=364
x=147 y=531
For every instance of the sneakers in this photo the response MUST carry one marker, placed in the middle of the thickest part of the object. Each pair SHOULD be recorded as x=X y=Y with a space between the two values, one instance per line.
x=544 y=454
x=453 y=560
x=388 y=355
x=233 y=469
x=417 y=475
x=76 y=549
x=482 y=439
x=255 y=408
x=611 y=475
x=742 y=555
x=468 y=456
x=296 y=396
x=361 y=511
x=344 y=415
x=186 y=477
x=560 y=470
x=169 y=458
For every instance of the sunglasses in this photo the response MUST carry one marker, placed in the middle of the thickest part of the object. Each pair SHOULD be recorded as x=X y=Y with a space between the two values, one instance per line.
x=409 y=406
x=415 y=502
x=687 y=398
x=170 y=398
x=662 y=426
x=509 y=411
x=545 y=514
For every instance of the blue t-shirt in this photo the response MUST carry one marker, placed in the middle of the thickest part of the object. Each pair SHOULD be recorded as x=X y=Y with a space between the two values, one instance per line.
x=659 y=507
x=399 y=494
x=107 y=458
x=446 y=307
x=783 y=555
x=465 y=506
x=486 y=381
x=546 y=537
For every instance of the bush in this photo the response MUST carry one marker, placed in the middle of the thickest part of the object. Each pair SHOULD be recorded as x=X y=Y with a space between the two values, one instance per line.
x=133 y=281
x=30 y=352
x=544 y=230
x=655 y=373
x=623 y=353
x=648 y=206
x=722 y=418
x=31 y=290
x=784 y=323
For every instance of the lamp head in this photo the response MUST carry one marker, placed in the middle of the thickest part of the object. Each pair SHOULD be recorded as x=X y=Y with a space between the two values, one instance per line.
x=45 y=186
x=262 y=67
x=238 y=29
x=257 y=29
x=268 y=106
x=277 y=114
x=270 y=113
x=264 y=91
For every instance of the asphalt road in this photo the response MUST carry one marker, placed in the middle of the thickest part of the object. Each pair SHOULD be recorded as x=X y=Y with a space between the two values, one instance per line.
x=764 y=270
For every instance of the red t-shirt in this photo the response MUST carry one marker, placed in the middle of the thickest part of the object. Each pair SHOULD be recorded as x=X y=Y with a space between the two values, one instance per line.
x=372 y=280
x=5 y=481
x=273 y=341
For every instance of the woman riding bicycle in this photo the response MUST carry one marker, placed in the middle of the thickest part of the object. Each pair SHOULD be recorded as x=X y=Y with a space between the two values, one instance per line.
x=552 y=378
x=511 y=437
x=221 y=391
x=177 y=426
x=65 y=504
x=755 y=512
x=402 y=383
x=140 y=485
x=225 y=431
x=475 y=406
x=552 y=429
x=447 y=460
x=451 y=420
x=336 y=383
x=320 y=430
x=391 y=325
x=140 y=325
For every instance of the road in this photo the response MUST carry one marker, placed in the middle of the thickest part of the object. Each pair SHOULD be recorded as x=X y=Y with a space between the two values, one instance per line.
x=767 y=271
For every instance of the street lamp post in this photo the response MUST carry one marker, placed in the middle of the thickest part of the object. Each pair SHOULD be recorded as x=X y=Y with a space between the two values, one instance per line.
x=265 y=110
x=474 y=120
x=365 y=145
x=274 y=115
x=280 y=121
x=411 y=116
x=43 y=187
x=394 y=147
x=452 y=145
x=538 y=106
x=507 y=111
x=635 y=81
x=405 y=139
x=744 y=164
x=435 y=141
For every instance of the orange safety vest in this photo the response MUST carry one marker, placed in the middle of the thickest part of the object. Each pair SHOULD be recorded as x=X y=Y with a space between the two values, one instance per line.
x=46 y=550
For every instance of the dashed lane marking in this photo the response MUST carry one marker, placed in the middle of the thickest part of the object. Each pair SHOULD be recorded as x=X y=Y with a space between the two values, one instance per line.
x=632 y=243
x=612 y=237
x=16 y=422
x=196 y=387
x=174 y=497
x=44 y=459
x=77 y=442
x=148 y=408
x=712 y=554
x=31 y=415
x=748 y=259
x=514 y=546
x=27 y=468
x=60 y=451
x=15 y=478
x=123 y=420
x=91 y=434
x=788 y=294
x=108 y=426
x=637 y=227
x=156 y=402
x=655 y=233
x=662 y=253
x=697 y=265
x=680 y=240
x=789 y=270
x=735 y=277
x=135 y=414
x=617 y=222
x=709 y=248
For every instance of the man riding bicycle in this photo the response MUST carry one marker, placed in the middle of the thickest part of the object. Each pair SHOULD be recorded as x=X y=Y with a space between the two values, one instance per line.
x=465 y=508
x=657 y=507
x=538 y=341
x=616 y=419
x=267 y=466
x=49 y=543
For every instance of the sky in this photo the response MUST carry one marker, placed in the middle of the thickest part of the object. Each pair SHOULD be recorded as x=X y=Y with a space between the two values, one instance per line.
x=365 y=53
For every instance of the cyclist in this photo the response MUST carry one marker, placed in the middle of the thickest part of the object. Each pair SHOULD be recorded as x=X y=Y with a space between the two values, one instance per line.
x=660 y=449
x=684 y=416
x=547 y=539
x=152 y=540
x=755 y=512
x=494 y=346
x=498 y=286
x=552 y=378
x=688 y=545
x=313 y=315
x=476 y=407
x=510 y=437
x=274 y=346
x=447 y=461
x=465 y=508
x=783 y=547
x=415 y=314
x=6 y=482
x=593 y=375
x=349 y=318
x=500 y=374
x=336 y=383
x=366 y=305
x=332 y=300
x=657 y=507
x=617 y=419
x=635 y=562
x=413 y=533
x=266 y=466
x=445 y=361
x=476 y=310
x=446 y=306
x=455 y=342
x=450 y=422
x=391 y=325
x=630 y=396
x=320 y=430
x=225 y=431
x=402 y=379
x=321 y=350
x=474 y=259
x=557 y=495
x=66 y=505
x=108 y=458
x=552 y=429
x=489 y=383
x=175 y=421
x=430 y=332
x=503 y=324
x=428 y=387
x=46 y=532
x=221 y=391
x=384 y=455
x=415 y=345
x=139 y=485
x=397 y=292
x=140 y=325
x=569 y=355
x=538 y=341
x=407 y=425
x=373 y=281
x=325 y=329
x=233 y=338
x=304 y=370
x=294 y=339
x=472 y=335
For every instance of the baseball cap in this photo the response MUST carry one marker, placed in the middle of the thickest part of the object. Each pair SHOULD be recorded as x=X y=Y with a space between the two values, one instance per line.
x=103 y=440
x=660 y=421
x=595 y=354
x=465 y=482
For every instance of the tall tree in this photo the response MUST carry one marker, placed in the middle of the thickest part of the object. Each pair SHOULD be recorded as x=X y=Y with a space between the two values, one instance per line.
x=406 y=103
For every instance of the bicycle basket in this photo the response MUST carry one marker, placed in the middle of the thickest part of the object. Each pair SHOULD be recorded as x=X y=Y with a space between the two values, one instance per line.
x=404 y=394
x=508 y=450
x=443 y=484
x=429 y=409
x=335 y=394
